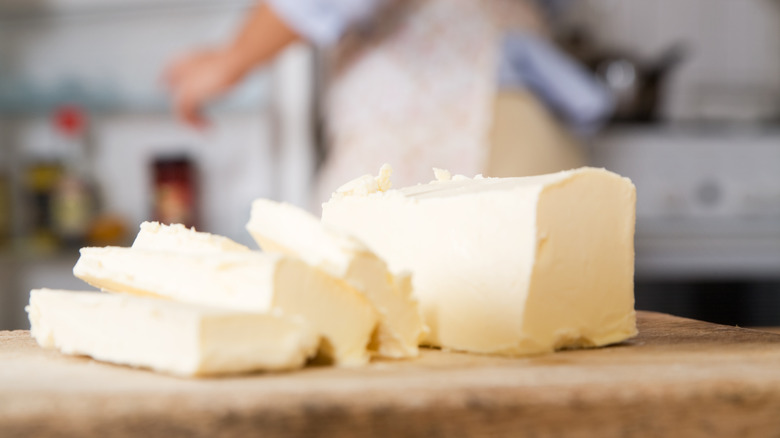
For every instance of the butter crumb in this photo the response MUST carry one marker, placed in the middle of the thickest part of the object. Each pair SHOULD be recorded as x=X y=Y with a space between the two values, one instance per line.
x=366 y=184
x=442 y=174
x=383 y=179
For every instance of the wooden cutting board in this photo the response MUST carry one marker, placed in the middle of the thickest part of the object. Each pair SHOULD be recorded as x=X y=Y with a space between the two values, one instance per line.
x=679 y=377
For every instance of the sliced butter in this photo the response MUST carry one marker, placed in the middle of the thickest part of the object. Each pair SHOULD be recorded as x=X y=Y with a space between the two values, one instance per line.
x=177 y=237
x=245 y=281
x=290 y=230
x=508 y=265
x=175 y=338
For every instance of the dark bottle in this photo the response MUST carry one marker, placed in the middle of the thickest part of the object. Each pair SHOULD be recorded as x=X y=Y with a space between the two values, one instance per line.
x=5 y=209
x=74 y=201
x=39 y=183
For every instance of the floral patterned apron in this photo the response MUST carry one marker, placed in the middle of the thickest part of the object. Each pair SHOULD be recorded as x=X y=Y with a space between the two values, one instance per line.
x=416 y=88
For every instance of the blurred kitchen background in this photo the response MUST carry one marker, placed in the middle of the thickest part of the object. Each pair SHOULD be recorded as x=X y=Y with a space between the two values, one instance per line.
x=89 y=148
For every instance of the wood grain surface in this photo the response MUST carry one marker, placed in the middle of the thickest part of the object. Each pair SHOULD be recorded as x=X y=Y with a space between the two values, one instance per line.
x=679 y=377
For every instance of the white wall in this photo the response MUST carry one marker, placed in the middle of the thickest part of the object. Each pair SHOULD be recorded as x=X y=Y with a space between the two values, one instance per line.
x=116 y=57
x=260 y=144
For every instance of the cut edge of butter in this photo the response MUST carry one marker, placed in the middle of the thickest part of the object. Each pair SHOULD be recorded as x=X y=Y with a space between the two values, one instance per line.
x=284 y=228
x=246 y=281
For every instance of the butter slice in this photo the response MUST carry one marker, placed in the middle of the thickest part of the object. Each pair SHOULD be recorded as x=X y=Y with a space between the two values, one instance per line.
x=286 y=229
x=508 y=265
x=244 y=281
x=165 y=336
x=177 y=237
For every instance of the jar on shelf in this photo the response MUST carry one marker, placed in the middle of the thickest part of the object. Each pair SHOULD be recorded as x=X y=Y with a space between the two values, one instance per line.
x=175 y=190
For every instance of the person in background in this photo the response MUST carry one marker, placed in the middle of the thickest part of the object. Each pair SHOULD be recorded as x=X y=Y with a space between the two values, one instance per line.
x=470 y=86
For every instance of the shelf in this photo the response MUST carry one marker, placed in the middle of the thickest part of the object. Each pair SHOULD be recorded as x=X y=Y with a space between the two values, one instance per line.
x=13 y=256
x=22 y=12
x=251 y=96
x=694 y=129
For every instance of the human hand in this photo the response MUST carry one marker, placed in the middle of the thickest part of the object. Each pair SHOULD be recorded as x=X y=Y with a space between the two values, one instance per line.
x=198 y=78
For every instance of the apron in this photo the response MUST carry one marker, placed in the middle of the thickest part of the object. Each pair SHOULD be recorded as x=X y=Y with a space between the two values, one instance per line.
x=417 y=88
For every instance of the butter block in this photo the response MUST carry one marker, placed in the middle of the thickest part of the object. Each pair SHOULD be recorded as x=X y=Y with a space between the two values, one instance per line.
x=177 y=237
x=165 y=336
x=245 y=281
x=508 y=265
x=283 y=228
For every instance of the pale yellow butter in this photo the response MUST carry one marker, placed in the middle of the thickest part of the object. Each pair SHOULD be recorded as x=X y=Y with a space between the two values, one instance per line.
x=290 y=230
x=508 y=265
x=246 y=281
x=166 y=336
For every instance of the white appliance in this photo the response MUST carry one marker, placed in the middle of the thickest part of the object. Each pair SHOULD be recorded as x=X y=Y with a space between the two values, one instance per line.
x=708 y=198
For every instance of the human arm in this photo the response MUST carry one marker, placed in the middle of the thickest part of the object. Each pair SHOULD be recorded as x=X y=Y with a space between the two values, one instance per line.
x=201 y=76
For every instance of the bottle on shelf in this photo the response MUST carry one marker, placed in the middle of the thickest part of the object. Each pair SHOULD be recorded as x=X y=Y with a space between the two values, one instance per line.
x=6 y=217
x=39 y=182
x=74 y=201
x=57 y=190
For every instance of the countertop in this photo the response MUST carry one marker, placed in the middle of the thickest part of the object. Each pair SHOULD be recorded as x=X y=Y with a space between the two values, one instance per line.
x=678 y=377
